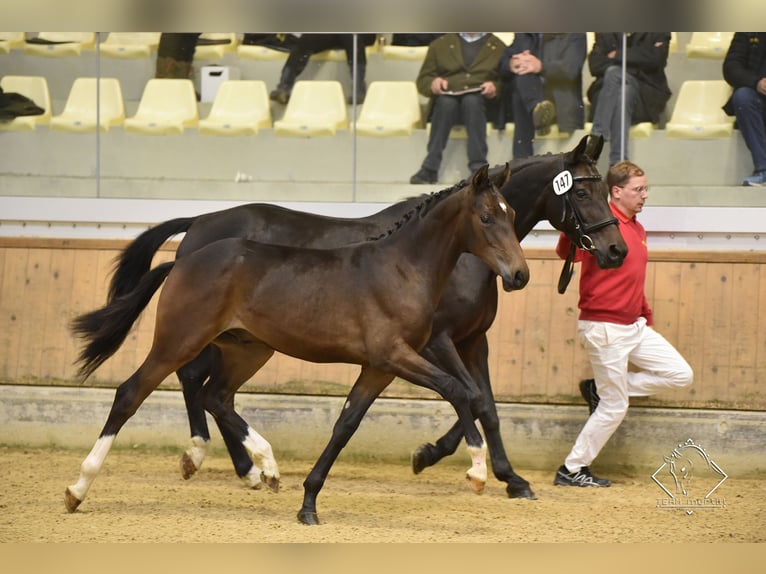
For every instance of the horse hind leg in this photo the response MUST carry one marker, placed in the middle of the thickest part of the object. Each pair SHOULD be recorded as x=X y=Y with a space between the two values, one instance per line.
x=192 y=377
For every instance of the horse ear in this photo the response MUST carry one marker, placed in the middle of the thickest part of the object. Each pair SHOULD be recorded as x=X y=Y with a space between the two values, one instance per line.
x=506 y=175
x=594 y=147
x=480 y=177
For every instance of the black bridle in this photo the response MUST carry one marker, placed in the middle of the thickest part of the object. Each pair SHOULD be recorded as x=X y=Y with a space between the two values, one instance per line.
x=582 y=228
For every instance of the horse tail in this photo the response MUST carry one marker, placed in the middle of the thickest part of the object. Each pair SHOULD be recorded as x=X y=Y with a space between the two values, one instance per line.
x=136 y=259
x=105 y=329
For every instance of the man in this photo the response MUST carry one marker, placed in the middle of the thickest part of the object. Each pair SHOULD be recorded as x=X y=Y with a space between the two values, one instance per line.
x=460 y=75
x=615 y=328
x=744 y=68
x=542 y=76
x=646 y=87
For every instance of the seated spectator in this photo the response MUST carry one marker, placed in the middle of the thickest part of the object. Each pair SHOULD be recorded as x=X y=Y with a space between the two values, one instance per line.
x=460 y=75
x=413 y=39
x=308 y=44
x=744 y=68
x=646 y=87
x=542 y=76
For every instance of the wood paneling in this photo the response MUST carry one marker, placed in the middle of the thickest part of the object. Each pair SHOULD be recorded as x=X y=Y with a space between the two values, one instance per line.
x=711 y=305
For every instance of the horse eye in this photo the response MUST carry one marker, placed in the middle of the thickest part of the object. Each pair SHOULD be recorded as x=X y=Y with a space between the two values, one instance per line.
x=581 y=192
x=485 y=218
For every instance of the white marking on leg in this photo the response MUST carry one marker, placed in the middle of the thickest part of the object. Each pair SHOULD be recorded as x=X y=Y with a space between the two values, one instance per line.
x=260 y=450
x=91 y=466
x=197 y=451
x=253 y=478
x=478 y=470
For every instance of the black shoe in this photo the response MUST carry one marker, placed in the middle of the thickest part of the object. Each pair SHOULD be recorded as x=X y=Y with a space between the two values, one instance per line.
x=588 y=392
x=281 y=94
x=582 y=477
x=424 y=175
x=543 y=115
x=361 y=92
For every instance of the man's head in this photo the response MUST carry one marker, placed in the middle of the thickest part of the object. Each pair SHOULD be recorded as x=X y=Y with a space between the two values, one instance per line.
x=627 y=187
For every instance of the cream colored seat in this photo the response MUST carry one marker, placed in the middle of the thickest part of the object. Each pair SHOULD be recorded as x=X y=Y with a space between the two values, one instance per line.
x=130 y=44
x=316 y=108
x=390 y=109
x=637 y=131
x=66 y=44
x=167 y=106
x=241 y=107
x=506 y=37
x=711 y=45
x=254 y=52
x=416 y=53
x=11 y=41
x=215 y=51
x=36 y=89
x=697 y=112
x=80 y=113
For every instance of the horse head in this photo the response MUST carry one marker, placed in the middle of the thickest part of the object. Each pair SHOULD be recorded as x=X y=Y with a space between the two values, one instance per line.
x=493 y=221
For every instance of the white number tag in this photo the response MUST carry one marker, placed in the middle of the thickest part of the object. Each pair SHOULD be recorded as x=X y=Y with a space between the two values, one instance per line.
x=562 y=182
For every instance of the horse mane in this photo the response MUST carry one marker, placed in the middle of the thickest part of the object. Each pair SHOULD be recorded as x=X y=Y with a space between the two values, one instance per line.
x=428 y=201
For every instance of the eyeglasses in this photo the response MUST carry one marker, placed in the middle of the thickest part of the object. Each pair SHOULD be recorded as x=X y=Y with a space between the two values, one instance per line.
x=639 y=189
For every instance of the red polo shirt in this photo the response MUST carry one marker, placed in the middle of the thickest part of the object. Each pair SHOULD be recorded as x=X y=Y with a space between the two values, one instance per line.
x=614 y=295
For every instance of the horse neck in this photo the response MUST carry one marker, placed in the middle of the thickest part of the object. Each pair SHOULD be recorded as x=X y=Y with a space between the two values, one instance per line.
x=526 y=192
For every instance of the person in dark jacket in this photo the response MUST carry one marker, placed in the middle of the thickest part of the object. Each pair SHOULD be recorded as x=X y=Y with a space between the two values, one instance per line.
x=542 y=76
x=646 y=86
x=744 y=69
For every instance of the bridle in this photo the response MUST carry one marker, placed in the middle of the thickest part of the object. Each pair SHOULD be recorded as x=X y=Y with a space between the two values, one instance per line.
x=582 y=228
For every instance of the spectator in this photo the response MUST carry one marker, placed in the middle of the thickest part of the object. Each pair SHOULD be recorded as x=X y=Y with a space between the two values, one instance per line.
x=646 y=87
x=459 y=74
x=542 y=76
x=413 y=39
x=744 y=68
x=615 y=327
x=308 y=44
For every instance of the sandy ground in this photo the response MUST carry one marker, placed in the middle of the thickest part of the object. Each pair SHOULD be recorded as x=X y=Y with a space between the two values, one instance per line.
x=140 y=497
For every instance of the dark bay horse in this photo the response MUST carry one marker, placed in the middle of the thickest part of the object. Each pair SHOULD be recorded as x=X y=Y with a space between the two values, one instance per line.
x=538 y=190
x=370 y=304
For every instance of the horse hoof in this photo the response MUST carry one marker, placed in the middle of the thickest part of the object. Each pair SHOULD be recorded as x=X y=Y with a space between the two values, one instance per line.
x=308 y=518
x=71 y=501
x=188 y=468
x=476 y=485
x=520 y=492
x=271 y=481
x=419 y=459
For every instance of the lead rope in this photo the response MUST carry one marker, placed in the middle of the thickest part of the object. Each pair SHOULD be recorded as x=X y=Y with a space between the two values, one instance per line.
x=568 y=270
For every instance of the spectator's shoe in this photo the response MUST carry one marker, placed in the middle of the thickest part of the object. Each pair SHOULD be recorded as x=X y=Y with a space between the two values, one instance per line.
x=588 y=392
x=281 y=94
x=582 y=477
x=361 y=92
x=758 y=179
x=543 y=115
x=424 y=175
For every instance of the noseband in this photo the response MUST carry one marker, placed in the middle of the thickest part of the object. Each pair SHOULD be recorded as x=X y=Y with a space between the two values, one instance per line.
x=582 y=228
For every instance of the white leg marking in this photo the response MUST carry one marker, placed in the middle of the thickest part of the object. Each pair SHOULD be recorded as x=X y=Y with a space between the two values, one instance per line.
x=260 y=449
x=478 y=470
x=253 y=478
x=197 y=451
x=91 y=466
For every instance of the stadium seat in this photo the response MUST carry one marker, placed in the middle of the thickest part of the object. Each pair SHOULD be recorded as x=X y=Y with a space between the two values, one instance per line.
x=637 y=131
x=10 y=41
x=167 y=106
x=390 y=109
x=505 y=37
x=254 y=52
x=60 y=44
x=710 y=45
x=36 y=89
x=130 y=44
x=239 y=108
x=316 y=108
x=404 y=52
x=79 y=113
x=697 y=112
x=213 y=51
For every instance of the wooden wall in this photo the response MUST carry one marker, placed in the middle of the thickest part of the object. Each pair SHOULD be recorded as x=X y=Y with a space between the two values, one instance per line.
x=711 y=305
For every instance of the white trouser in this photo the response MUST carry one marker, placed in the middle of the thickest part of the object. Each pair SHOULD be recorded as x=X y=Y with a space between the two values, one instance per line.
x=611 y=347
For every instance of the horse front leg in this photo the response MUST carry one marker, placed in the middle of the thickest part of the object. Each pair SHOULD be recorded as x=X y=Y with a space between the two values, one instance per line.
x=366 y=389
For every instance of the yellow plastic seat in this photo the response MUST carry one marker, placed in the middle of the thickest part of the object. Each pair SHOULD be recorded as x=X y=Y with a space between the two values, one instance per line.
x=710 y=45
x=390 y=109
x=316 y=108
x=79 y=113
x=697 y=112
x=506 y=37
x=240 y=108
x=11 y=41
x=216 y=51
x=254 y=52
x=36 y=89
x=637 y=131
x=130 y=44
x=417 y=53
x=72 y=44
x=168 y=106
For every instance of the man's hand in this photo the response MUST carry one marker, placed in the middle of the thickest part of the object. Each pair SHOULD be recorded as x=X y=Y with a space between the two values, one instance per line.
x=439 y=86
x=525 y=63
x=488 y=90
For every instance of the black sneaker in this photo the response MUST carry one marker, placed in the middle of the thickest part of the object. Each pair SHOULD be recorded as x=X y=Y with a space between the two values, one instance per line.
x=582 y=477
x=588 y=392
x=424 y=175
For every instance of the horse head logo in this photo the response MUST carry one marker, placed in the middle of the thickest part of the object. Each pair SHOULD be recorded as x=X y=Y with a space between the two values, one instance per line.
x=690 y=469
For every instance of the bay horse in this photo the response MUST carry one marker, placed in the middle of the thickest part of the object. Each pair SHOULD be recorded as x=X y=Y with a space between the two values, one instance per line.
x=537 y=191
x=370 y=303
